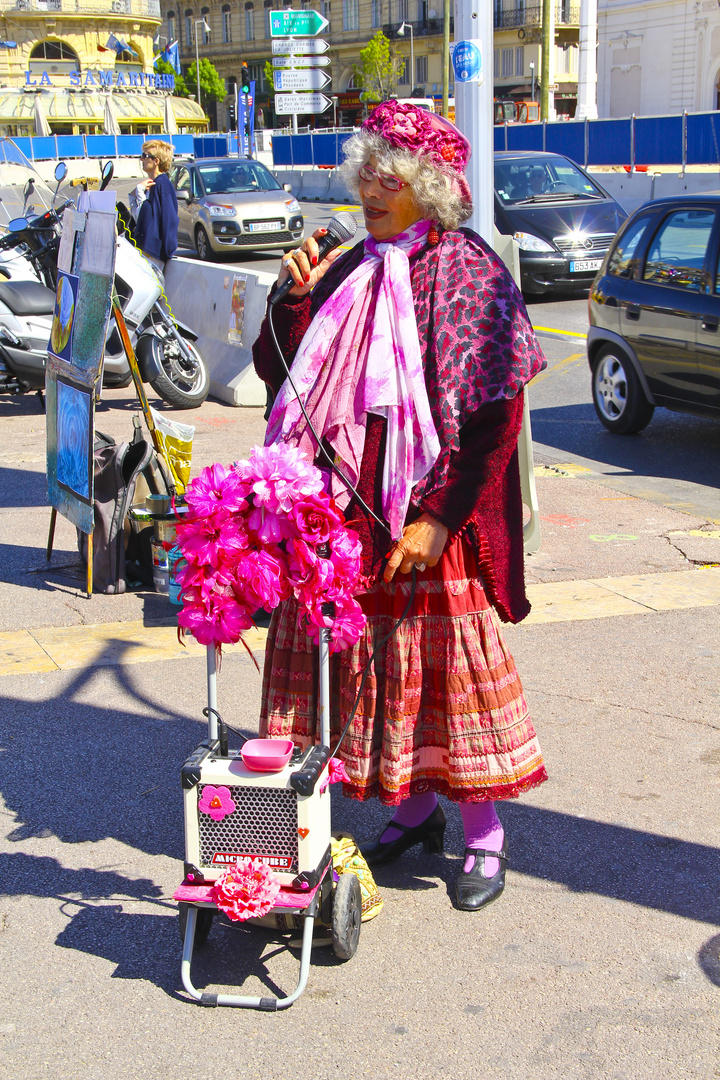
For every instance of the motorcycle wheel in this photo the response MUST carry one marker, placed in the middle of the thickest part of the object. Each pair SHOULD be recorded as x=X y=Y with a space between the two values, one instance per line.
x=183 y=385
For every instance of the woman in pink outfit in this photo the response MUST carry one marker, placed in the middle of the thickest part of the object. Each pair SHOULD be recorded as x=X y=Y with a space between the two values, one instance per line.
x=411 y=351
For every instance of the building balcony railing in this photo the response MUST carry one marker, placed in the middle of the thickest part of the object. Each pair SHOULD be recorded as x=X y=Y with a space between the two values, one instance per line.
x=421 y=28
x=141 y=9
x=565 y=15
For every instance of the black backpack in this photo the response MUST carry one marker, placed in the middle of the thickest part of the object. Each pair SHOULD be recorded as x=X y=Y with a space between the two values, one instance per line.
x=124 y=474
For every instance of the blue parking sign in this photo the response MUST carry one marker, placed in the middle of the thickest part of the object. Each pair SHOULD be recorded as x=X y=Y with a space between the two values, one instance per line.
x=467 y=61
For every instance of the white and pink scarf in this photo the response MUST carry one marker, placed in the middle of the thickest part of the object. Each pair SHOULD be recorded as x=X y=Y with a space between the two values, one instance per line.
x=361 y=354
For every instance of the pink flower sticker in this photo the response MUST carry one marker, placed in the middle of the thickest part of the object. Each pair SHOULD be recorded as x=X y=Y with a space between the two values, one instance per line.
x=216 y=802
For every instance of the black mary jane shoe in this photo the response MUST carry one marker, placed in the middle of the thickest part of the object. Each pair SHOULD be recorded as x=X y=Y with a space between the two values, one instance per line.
x=474 y=890
x=429 y=832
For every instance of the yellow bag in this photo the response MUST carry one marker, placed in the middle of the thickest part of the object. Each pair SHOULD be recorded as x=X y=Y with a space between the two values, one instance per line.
x=347 y=859
x=175 y=439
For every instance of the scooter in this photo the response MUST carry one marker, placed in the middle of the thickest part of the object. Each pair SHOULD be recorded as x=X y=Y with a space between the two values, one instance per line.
x=164 y=347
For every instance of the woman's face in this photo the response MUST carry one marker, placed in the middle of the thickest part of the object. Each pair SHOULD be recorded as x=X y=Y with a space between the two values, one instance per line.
x=387 y=213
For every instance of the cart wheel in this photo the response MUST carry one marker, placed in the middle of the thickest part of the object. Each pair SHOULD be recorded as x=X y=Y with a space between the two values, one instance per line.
x=346 y=916
x=202 y=925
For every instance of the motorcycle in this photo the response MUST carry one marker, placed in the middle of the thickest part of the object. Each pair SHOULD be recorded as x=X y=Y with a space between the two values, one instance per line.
x=164 y=347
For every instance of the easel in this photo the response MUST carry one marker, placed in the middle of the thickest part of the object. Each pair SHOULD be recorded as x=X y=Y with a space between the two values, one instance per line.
x=144 y=405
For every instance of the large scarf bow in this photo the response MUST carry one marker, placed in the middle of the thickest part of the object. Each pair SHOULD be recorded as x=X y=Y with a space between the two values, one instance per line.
x=361 y=354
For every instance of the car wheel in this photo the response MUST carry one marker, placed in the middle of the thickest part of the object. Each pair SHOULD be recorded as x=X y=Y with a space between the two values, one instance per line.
x=202 y=244
x=618 y=397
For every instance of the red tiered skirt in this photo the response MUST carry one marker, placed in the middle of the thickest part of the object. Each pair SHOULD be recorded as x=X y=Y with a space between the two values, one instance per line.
x=443 y=708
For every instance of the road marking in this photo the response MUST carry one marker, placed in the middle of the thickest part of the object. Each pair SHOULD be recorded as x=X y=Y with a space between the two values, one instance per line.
x=574 y=358
x=338 y=209
x=65 y=648
x=560 y=333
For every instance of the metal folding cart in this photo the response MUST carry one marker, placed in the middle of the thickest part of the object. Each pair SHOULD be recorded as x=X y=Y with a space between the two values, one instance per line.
x=280 y=817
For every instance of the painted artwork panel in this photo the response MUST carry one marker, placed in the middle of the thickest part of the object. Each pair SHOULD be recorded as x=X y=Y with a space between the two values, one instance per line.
x=237 y=310
x=74 y=439
x=61 y=333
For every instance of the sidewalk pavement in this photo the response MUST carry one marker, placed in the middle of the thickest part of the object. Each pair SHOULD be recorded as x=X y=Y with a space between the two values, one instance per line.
x=602 y=959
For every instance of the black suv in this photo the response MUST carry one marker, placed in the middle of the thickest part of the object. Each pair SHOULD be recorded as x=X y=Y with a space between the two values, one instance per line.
x=654 y=315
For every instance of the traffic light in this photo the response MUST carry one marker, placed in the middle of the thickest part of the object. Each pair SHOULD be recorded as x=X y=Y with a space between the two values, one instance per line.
x=244 y=80
x=232 y=110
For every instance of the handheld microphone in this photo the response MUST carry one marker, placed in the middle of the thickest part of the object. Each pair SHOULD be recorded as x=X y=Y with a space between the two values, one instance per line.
x=340 y=229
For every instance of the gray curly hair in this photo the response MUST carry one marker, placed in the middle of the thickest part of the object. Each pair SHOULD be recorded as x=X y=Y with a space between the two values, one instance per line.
x=434 y=189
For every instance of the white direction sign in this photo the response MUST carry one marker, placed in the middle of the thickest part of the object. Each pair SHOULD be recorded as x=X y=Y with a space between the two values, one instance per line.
x=310 y=79
x=298 y=61
x=301 y=103
x=293 y=47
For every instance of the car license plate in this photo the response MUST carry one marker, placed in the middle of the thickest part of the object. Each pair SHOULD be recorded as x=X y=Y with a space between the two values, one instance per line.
x=585 y=264
x=266 y=226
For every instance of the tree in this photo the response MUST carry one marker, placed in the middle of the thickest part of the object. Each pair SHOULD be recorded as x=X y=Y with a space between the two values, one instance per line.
x=379 y=69
x=211 y=85
x=163 y=68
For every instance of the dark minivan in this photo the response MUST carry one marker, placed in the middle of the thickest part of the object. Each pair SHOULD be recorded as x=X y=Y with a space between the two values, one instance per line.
x=561 y=218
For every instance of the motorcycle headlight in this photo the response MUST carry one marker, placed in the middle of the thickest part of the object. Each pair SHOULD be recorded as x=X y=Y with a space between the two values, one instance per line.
x=529 y=242
x=293 y=206
x=217 y=210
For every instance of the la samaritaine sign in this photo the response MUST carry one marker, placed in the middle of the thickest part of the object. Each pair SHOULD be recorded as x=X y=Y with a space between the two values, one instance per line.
x=139 y=79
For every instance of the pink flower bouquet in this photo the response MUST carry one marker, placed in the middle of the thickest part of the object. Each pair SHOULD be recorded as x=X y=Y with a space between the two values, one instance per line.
x=247 y=890
x=258 y=533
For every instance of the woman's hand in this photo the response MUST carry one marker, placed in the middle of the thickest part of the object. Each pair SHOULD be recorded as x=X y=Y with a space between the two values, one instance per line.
x=423 y=541
x=145 y=185
x=303 y=267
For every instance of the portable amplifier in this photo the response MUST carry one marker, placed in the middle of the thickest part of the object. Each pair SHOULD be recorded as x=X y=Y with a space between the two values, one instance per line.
x=281 y=818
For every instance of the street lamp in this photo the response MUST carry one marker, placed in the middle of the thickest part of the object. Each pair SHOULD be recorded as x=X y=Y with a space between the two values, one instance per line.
x=401 y=32
x=199 y=22
x=532 y=73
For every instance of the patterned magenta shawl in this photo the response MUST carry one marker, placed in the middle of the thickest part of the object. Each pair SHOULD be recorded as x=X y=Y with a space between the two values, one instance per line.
x=477 y=341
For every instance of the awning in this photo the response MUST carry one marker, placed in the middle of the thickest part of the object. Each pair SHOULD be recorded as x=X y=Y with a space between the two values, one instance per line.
x=87 y=107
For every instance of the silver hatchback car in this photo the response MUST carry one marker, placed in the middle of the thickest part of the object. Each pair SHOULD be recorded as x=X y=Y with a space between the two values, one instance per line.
x=227 y=204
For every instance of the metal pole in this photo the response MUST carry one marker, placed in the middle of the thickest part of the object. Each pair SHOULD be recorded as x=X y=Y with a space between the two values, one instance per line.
x=587 y=62
x=212 y=693
x=532 y=73
x=412 y=60
x=474 y=110
x=446 y=60
x=237 y=119
x=197 y=62
x=545 y=59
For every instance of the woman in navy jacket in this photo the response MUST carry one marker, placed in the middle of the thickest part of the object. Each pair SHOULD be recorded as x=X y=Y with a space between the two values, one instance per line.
x=154 y=205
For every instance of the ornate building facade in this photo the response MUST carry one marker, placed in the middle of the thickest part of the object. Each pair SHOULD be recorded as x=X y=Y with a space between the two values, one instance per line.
x=55 y=64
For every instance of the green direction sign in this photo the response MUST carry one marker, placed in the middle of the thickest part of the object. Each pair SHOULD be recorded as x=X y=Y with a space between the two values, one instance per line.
x=291 y=23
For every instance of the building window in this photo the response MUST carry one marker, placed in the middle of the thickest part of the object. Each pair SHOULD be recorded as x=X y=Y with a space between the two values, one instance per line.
x=421 y=64
x=188 y=29
x=54 y=50
x=496 y=62
x=205 y=13
x=402 y=11
x=171 y=26
x=507 y=63
x=249 y=22
x=325 y=12
x=351 y=15
x=422 y=12
x=304 y=5
x=268 y=12
x=520 y=60
x=226 y=25
x=376 y=13
x=404 y=79
x=566 y=59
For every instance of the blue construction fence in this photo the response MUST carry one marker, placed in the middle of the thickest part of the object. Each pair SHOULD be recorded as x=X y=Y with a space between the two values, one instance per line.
x=685 y=139
x=63 y=147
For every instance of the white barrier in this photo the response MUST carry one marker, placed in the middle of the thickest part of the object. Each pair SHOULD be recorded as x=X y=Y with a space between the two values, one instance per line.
x=201 y=296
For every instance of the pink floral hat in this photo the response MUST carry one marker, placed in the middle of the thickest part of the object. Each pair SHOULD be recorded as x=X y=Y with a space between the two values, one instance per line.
x=407 y=127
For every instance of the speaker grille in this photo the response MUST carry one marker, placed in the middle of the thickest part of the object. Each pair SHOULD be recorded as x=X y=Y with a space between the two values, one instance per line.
x=264 y=825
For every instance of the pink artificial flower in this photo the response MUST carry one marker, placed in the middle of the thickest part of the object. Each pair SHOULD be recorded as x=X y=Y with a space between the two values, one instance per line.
x=212 y=539
x=347 y=625
x=302 y=560
x=279 y=475
x=220 y=620
x=312 y=577
x=346 y=556
x=261 y=580
x=315 y=517
x=247 y=890
x=216 y=488
x=269 y=528
x=216 y=802
x=336 y=773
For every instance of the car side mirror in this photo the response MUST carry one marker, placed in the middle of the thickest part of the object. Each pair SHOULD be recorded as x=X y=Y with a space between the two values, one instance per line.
x=183 y=196
x=288 y=188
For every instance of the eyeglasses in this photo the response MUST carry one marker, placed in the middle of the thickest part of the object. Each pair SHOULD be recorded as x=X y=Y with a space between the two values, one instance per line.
x=147 y=157
x=385 y=180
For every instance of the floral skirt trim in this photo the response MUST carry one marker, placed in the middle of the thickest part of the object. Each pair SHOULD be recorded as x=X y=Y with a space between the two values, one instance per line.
x=443 y=708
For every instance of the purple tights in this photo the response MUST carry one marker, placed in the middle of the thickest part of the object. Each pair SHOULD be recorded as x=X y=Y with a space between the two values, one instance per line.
x=482 y=826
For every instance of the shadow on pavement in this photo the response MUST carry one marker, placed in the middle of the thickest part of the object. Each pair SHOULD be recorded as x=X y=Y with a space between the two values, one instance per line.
x=674 y=445
x=23 y=487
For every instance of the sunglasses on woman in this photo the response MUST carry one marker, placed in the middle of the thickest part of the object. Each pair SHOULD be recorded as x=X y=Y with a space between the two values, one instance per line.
x=147 y=157
x=385 y=180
